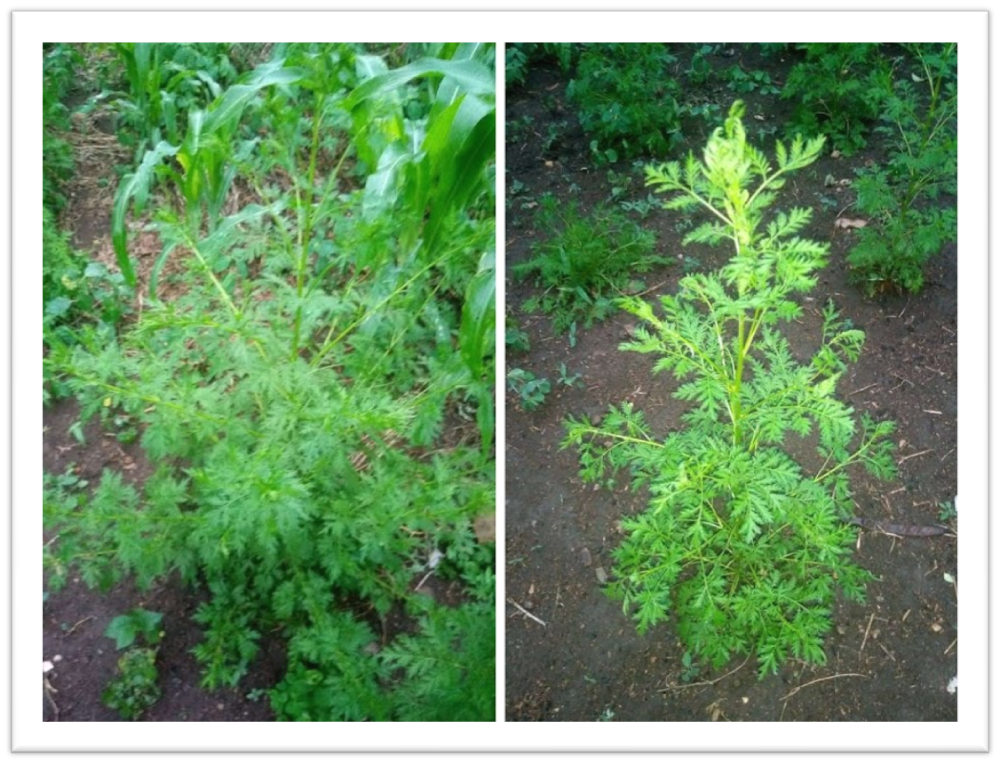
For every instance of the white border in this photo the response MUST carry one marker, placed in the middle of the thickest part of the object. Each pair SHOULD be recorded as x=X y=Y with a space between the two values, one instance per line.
x=971 y=30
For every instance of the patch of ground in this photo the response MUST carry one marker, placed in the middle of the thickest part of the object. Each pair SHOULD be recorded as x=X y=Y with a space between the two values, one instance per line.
x=888 y=660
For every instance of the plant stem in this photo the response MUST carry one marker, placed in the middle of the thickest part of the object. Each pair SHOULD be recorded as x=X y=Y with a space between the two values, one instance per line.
x=306 y=236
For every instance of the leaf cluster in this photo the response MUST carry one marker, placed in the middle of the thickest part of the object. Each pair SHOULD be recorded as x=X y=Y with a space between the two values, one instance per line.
x=627 y=100
x=584 y=261
x=839 y=89
x=902 y=197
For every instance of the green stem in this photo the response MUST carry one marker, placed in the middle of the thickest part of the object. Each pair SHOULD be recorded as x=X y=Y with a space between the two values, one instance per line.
x=306 y=237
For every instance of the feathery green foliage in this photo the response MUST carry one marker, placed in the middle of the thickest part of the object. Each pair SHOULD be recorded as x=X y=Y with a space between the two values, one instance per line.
x=584 y=261
x=909 y=227
x=742 y=543
x=292 y=393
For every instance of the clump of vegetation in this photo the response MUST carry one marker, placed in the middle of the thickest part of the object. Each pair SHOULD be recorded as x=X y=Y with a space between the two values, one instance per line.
x=616 y=105
x=293 y=394
x=840 y=90
x=584 y=261
x=136 y=686
x=520 y=55
x=919 y=119
x=530 y=389
x=75 y=292
x=744 y=545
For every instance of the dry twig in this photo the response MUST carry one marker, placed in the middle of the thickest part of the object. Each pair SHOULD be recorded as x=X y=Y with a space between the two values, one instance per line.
x=531 y=616
x=821 y=679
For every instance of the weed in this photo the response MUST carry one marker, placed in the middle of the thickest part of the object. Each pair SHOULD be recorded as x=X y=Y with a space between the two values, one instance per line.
x=583 y=261
x=840 y=89
x=293 y=394
x=700 y=71
x=569 y=380
x=136 y=686
x=515 y=338
x=529 y=388
x=135 y=624
x=642 y=207
x=520 y=55
x=908 y=228
x=616 y=105
x=518 y=129
x=553 y=137
x=744 y=547
x=689 y=668
x=947 y=511
x=742 y=81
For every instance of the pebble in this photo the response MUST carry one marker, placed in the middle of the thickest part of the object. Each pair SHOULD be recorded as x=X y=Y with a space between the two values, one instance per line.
x=602 y=577
x=585 y=556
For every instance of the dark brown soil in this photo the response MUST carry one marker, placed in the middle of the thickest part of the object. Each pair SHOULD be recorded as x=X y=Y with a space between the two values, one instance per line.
x=888 y=660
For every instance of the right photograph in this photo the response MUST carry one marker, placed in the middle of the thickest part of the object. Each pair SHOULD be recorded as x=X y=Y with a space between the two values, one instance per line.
x=731 y=382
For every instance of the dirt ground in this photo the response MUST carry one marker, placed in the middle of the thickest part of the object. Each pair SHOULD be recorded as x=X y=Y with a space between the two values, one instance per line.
x=888 y=660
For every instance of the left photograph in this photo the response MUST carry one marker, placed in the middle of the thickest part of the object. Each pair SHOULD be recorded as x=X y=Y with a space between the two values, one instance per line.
x=269 y=335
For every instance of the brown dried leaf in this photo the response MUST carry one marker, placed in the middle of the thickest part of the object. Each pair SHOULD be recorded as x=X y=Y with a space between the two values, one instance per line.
x=485 y=527
x=850 y=223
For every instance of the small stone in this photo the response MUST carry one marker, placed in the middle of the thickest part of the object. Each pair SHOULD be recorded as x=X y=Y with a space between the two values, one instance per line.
x=221 y=706
x=602 y=577
x=936 y=627
x=585 y=556
x=56 y=658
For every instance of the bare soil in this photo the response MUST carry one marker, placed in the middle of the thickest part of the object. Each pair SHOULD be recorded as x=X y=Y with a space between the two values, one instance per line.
x=888 y=660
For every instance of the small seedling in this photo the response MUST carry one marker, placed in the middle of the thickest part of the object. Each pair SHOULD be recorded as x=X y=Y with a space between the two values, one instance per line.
x=125 y=629
x=947 y=511
x=530 y=389
x=516 y=339
x=689 y=668
x=569 y=380
x=135 y=688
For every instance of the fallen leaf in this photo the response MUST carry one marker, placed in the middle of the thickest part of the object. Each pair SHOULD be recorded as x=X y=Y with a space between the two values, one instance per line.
x=485 y=527
x=850 y=223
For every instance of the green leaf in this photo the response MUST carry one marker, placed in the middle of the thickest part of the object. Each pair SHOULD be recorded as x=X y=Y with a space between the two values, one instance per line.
x=473 y=77
x=134 y=187
x=124 y=629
